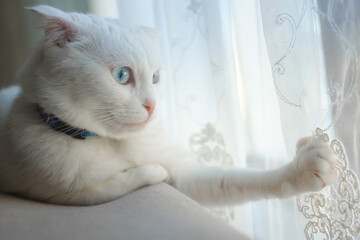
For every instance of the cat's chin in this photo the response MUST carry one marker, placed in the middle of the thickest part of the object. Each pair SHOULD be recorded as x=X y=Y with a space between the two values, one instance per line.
x=137 y=126
x=128 y=129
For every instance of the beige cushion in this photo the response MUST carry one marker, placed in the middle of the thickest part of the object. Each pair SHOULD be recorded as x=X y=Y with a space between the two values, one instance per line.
x=156 y=212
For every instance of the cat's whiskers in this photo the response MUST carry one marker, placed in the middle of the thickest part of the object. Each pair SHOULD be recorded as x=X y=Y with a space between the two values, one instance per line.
x=76 y=133
x=68 y=129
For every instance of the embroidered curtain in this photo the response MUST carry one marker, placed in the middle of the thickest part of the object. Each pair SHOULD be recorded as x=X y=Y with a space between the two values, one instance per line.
x=247 y=79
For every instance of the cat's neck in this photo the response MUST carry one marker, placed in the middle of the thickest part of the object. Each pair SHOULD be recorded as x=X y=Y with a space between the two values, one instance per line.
x=58 y=125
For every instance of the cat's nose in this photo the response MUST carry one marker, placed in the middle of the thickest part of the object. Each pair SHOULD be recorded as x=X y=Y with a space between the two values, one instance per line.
x=149 y=106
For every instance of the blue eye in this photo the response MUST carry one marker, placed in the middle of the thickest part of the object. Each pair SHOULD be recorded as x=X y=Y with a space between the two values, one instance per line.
x=156 y=77
x=122 y=74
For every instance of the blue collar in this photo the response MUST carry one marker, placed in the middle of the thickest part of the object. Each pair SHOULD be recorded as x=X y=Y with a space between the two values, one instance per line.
x=60 y=126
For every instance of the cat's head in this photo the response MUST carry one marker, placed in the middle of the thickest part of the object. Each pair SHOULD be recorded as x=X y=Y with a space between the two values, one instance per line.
x=94 y=73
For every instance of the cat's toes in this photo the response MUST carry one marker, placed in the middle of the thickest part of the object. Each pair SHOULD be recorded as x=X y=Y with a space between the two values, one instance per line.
x=153 y=173
x=315 y=165
x=302 y=142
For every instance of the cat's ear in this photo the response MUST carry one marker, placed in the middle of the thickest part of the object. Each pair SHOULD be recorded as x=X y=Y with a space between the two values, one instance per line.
x=151 y=32
x=57 y=25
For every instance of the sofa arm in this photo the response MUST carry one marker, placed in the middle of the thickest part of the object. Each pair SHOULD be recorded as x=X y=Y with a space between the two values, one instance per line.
x=155 y=212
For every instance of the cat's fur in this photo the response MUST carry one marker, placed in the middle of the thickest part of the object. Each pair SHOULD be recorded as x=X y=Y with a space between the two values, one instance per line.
x=69 y=75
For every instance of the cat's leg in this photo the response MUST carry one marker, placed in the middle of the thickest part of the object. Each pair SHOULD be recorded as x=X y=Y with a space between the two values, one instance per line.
x=115 y=186
x=311 y=170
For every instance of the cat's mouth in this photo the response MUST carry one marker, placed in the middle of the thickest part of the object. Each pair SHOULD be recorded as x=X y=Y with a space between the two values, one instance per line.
x=138 y=125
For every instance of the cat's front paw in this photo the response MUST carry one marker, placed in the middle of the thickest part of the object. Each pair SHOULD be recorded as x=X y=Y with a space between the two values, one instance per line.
x=153 y=173
x=313 y=167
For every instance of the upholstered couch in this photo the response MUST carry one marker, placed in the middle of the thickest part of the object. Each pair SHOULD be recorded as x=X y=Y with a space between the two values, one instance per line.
x=153 y=213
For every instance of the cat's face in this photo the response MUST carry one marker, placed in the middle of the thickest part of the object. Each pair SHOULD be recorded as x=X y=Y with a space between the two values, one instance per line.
x=95 y=73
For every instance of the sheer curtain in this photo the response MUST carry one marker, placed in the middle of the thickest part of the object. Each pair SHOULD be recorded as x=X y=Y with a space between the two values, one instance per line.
x=313 y=49
x=246 y=79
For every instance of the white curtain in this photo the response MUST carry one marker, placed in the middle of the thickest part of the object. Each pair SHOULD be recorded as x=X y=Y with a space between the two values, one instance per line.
x=313 y=49
x=246 y=79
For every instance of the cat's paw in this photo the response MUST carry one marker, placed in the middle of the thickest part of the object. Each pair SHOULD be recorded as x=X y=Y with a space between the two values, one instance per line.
x=152 y=173
x=313 y=167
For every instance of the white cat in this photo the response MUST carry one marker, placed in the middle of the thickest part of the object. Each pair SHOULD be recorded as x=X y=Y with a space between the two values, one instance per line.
x=103 y=76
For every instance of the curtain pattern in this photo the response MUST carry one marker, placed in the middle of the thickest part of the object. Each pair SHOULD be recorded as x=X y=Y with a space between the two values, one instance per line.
x=333 y=213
